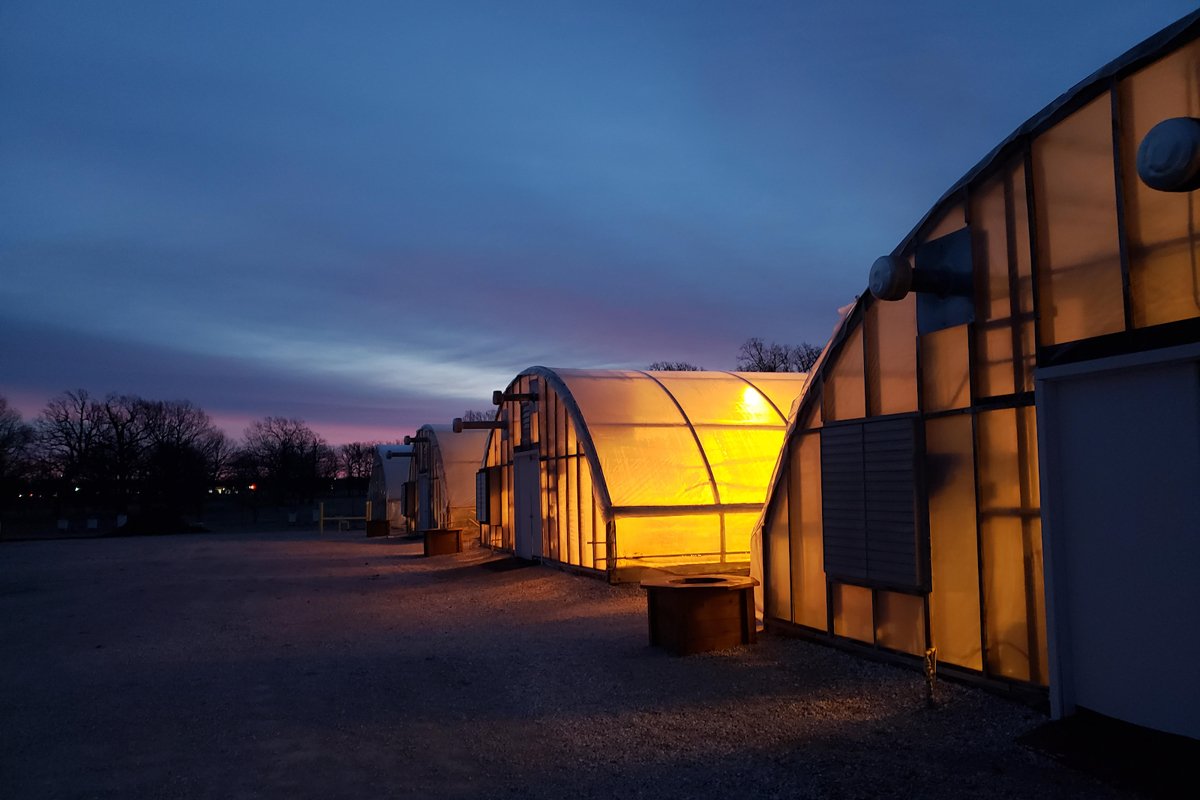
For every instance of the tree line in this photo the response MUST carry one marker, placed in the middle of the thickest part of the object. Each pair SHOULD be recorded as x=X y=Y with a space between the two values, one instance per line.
x=124 y=453
x=755 y=355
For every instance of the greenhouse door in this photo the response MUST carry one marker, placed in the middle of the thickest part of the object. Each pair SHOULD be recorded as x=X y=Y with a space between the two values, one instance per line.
x=527 y=505
x=1120 y=471
x=424 y=502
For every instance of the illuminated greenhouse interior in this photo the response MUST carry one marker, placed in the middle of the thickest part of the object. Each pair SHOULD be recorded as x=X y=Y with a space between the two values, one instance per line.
x=618 y=470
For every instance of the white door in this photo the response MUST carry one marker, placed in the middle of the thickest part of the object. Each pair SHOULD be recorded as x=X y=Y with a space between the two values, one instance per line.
x=1121 y=479
x=527 y=505
x=424 y=502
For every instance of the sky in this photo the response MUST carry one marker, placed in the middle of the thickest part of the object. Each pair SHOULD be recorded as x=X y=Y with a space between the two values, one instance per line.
x=369 y=215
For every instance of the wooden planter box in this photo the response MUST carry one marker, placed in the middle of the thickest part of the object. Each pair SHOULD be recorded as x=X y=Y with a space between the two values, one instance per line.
x=443 y=541
x=378 y=527
x=698 y=613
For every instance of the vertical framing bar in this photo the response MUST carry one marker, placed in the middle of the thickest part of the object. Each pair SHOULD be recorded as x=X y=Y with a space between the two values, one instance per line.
x=1033 y=645
x=1118 y=187
x=1034 y=257
x=1014 y=283
x=983 y=635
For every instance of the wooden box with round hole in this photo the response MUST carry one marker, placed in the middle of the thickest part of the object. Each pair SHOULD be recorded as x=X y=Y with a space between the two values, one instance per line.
x=698 y=613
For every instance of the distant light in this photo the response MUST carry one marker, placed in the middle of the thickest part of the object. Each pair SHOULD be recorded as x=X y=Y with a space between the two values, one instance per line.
x=253 y=487
x=754 y=406
x=77 y=488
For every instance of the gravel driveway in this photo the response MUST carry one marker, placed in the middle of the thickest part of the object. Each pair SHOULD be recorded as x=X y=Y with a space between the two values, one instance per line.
x=293 y=665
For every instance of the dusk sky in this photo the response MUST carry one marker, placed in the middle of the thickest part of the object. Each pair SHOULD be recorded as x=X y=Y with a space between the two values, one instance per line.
x=369 y=215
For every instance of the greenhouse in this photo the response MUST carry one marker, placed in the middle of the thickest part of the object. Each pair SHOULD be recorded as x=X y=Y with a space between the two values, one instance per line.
x=385 y=491
x=1048 y=304
x=442 y=478
x=616 y=471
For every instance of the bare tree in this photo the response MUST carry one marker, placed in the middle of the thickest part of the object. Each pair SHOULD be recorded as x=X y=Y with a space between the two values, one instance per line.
x=68 y=433
x=674 y=366
x=474 y=415
x=804 y=356
x=755 y=355
x=355 y=460
x=288 y=457
x=16 y=437
x=123 y=444
x=181 y=443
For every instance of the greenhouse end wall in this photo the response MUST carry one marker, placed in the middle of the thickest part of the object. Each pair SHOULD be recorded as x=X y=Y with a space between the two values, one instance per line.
x=1071 y=258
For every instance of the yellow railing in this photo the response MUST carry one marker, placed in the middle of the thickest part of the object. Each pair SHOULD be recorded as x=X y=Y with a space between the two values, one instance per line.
x=343 y=523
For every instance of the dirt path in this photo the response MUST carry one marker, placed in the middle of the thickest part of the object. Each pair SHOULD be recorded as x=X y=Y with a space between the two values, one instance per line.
x=291 y=665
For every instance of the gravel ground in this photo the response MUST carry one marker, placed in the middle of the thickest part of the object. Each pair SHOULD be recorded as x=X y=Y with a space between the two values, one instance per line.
x=294 y=665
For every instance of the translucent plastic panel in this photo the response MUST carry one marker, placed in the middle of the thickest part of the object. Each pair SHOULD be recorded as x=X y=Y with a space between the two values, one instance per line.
x=586 y=506
x=742 y=460
x=944 y=376
x=663 y=541
x=953 y=545
x=778 y=590
x=550 y=510
x=719 y=399
x=567 y=511
x=845 y=396
x=1164 y=248
x=900 y=622
x=1079 y=264
x=993 y=297
x=852 y=614
x=739 y=525
x=781 y=388
x=952 y=219
x=810 y=415
x=646 y=466
x=1010 y=536
x=620 y=397
x=994 y=368
x=600 y=533
x=807 y=540
x=891 y=333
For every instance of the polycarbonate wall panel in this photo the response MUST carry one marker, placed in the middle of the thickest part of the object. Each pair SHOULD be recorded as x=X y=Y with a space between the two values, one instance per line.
x=945 y=375
x=852 y=612
x=994 y=368
x=741 y=459
x=652 y=465
x=1164 y=249
x=778 y=589
x=586 y=508
x=900 y=622
x=845 y=393
x=717 y=399
x=891 y=338
x=807 y=532
x=953 y=218
x=739 y=527
x=663 y=540
x=1010 y=536
x=953 y=542
x=1079 y=260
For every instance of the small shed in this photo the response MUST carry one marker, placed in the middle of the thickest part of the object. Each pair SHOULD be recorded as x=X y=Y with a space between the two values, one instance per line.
x=620 y=471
